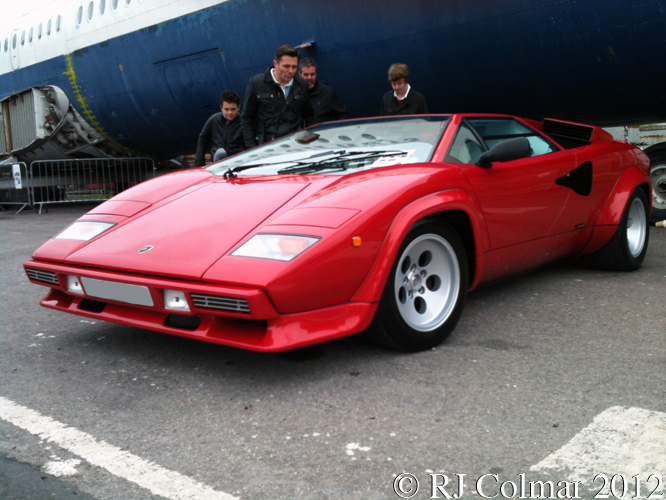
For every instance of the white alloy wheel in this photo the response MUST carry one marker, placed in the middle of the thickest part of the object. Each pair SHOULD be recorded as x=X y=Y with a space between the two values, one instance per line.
x=636 y=227
x=427 y=282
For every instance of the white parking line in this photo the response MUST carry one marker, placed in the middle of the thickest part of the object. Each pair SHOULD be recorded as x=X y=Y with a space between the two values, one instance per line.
x=158 y=480
x=622 y=441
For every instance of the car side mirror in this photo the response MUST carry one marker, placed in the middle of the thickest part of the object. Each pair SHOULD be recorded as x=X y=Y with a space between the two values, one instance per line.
x=508 y=150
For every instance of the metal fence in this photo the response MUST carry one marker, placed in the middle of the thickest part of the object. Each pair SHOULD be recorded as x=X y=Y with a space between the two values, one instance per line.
x=95 y=179
x=15 y=185
x=68 y=181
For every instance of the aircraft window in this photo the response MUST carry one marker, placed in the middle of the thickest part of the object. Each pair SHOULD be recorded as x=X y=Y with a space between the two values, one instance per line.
x=102 y=6
x=48 y=28
x=6 y=44
x=127 y=2
x=39 y=32
x=91 y=10
x=58 y=24
x=114 y=4
x=30 y=35
x=23 y=38
x=79 y=15
x=14 y=41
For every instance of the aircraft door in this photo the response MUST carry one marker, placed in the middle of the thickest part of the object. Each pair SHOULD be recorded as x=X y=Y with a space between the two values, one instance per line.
x=196 y=82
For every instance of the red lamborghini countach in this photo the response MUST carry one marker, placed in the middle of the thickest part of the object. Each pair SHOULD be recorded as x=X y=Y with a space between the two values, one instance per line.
x=379 y=225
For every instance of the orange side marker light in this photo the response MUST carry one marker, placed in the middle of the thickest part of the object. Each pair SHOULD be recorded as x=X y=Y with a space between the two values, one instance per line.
x=356 y=241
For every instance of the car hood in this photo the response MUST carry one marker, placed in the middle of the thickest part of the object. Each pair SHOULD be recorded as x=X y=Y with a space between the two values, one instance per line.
x=208 y=221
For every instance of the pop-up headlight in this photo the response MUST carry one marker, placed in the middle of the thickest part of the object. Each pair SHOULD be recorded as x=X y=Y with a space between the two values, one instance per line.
x=175 y=300
x=84 y=230
x=283 y=247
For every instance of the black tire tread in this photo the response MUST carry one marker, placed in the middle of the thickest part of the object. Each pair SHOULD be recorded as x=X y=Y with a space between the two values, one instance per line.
x=657 y=158
x=379 y=332
x=614 y=256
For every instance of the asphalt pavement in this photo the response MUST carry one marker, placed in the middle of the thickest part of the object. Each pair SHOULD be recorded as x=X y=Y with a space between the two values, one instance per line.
x=558 y=375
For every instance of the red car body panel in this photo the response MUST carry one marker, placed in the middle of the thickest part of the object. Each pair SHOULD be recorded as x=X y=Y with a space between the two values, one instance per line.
x=197 y=245
x=513 y=217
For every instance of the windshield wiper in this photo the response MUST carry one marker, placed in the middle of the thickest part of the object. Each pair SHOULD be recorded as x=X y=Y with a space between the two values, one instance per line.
x=230 y=173
x=330 y=163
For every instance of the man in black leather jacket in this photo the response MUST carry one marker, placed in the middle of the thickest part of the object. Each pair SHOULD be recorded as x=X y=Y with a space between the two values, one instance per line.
x=222 y=130
x=276 y=102
x=325 y=102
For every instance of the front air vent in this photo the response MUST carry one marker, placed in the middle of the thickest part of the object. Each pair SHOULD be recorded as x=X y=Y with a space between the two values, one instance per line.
x=92 y=305
x=190 y=323
x=220 y=303
x=45 y=276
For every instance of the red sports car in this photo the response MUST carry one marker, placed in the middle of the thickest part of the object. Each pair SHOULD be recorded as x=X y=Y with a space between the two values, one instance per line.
x=380 y=225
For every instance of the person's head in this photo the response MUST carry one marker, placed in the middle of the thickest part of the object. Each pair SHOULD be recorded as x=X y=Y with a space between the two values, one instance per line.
x=398 y=75
x=230 y=104
x=308 y=71
x=286 y=63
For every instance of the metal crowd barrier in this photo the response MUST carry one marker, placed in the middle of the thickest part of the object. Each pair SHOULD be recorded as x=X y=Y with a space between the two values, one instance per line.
x=94 y=179
x=15 y=186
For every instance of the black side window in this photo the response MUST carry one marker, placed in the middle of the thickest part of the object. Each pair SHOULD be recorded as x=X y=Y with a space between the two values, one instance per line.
x=494 y=130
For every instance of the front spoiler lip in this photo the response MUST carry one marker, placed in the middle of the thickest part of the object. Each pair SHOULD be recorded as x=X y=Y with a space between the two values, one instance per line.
x=263 y=330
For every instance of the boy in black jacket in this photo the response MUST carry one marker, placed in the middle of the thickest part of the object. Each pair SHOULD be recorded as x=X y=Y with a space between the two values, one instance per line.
x=402 y=100
x=222 y=130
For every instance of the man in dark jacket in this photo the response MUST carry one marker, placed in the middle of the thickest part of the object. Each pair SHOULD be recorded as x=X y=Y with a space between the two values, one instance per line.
x=402 y=100
x=325 y=103
x=222 y=130
x=276 y=102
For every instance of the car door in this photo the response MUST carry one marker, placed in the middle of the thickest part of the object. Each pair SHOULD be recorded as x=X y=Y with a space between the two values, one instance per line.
x=520 y=199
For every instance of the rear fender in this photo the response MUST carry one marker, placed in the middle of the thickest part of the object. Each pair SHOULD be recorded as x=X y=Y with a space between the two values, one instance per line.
x=611 y=213
x=438 y=203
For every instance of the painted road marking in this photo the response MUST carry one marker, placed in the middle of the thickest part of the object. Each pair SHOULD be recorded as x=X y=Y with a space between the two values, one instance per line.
x=619 y=441
x=625 y=441
x=158 y=480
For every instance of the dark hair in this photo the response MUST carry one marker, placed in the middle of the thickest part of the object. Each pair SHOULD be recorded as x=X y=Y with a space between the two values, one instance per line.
x=398 y=72
x=308 y=62
x=230 y=96
x=286 y=50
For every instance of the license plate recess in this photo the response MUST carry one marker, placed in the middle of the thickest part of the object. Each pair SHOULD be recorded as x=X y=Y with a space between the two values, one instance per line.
x=122 y=292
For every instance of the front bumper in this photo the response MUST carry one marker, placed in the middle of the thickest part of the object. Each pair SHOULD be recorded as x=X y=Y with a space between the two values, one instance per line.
x=233 y=316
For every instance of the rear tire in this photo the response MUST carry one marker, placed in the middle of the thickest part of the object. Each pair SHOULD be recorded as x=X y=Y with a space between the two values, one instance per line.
x=627 y=249
x=425 y=293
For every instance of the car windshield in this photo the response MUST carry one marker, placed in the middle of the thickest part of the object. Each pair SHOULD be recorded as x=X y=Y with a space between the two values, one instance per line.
x=337 y=147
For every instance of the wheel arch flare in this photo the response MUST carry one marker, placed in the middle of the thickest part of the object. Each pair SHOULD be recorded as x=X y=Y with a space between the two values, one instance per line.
x=454 y=206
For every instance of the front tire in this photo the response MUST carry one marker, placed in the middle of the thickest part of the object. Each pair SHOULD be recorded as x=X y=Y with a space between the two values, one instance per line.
x=626 y=250
x=425 y=293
